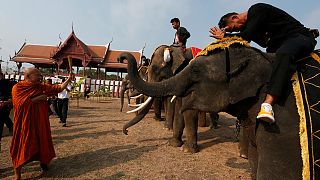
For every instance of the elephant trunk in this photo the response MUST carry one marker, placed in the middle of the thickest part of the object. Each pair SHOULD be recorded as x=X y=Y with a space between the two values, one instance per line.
x=176 y=85
x=122 y=98
x=134 y=93
x=137 y=118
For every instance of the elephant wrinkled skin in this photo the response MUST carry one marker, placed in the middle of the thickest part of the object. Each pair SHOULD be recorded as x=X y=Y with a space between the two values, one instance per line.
x=159 y=70
x=274 y=151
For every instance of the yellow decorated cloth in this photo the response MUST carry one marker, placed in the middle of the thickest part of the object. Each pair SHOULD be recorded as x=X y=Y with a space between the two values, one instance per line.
x=306 y=87
x=222 y=44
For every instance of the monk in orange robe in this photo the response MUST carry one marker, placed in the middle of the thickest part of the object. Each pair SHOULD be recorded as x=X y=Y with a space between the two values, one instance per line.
x=32 y=139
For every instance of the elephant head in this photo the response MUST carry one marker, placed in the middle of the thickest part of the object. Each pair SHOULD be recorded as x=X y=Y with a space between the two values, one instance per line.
x=165 y=62
x=207 y=81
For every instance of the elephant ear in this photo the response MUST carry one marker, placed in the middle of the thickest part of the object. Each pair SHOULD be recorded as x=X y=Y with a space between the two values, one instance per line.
x=177 y=56
x=248 y=75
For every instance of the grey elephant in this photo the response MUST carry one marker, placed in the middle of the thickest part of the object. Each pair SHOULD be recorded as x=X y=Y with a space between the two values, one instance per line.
x=161 y=69
x=233 y=80
x=158 y=70
x=165 y=62
x=127 y=88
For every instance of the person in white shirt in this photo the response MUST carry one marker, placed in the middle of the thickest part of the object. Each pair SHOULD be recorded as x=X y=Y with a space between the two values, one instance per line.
x=63 y=103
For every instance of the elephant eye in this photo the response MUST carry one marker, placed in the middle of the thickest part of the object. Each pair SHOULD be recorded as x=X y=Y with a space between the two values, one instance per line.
x=155 y=68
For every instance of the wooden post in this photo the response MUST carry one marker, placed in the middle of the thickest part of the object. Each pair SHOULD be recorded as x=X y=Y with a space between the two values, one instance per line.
x=114 y=87
x=118 y=89
x=109 y=85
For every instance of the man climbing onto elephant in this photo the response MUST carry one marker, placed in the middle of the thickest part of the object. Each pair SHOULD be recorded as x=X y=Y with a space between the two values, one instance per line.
x=280 y=33
x=182 y=34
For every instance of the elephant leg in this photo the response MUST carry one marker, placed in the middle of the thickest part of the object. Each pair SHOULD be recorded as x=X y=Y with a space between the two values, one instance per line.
x=213 y=123
x=178 y=125
x=245 y=133
x=202 y=119
x=128 y=96
x=253 y=159
x=157 y=109
x=191 y=128
x=169 y=113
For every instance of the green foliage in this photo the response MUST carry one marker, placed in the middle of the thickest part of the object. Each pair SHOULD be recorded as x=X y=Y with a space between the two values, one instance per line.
x=102 y=91
x=75 y=92
x=93 y=74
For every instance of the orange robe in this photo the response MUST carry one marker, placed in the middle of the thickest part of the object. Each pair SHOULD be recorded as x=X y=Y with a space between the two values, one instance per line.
x=31 y=139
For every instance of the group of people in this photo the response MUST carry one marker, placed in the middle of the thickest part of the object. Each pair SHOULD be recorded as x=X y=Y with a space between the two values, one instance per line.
x=273 y=29
x=268 y=26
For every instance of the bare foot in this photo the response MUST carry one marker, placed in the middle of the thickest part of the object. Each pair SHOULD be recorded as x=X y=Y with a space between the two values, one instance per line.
x=17 y=173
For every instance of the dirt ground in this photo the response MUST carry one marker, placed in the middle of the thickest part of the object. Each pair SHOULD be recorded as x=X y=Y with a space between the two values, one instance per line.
x=94 y=147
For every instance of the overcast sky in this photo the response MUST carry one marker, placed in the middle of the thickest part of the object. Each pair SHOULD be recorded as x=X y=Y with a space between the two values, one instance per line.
x=130 y=23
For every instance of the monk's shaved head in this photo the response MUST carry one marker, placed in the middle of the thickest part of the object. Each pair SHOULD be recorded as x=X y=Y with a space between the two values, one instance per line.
x=32 y=74
x=30 y=70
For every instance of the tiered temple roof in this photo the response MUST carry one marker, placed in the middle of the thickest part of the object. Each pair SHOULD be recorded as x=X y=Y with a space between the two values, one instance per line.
x=83 y=55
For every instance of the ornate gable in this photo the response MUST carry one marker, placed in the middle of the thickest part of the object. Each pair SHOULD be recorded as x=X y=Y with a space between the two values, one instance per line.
x=74 y=47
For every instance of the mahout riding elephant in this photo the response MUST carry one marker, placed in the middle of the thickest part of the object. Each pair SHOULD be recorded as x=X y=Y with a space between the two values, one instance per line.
x=165 y=62
x=233 y=80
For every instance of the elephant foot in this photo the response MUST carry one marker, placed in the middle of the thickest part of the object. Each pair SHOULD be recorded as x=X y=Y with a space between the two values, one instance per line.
x=244 y=156
x=158 y=118
x=167 y=127
x=175 y=142
x=190 y=148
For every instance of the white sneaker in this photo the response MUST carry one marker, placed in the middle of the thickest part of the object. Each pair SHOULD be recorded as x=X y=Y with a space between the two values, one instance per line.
x=266 y=113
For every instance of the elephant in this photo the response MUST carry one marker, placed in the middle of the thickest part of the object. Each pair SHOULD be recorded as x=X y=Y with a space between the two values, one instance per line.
x=233 y=80
x=130 y=91
x=158 y=70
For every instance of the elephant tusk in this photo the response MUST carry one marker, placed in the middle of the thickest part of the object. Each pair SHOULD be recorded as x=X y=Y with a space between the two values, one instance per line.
x=135 y=97
x=173 y=98
x=142 y=105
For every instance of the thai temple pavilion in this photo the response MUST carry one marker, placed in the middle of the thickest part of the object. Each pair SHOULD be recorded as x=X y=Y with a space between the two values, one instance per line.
x=83 y=55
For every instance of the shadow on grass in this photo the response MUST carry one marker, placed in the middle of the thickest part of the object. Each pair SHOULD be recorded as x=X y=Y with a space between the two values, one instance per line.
x=93 y=135
x=79 y=164
x=31 y=170
x=234 y=163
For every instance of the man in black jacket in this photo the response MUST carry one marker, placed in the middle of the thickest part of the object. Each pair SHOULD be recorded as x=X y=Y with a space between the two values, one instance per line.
x=280 y=33
x=182 y=34
x=5 y=104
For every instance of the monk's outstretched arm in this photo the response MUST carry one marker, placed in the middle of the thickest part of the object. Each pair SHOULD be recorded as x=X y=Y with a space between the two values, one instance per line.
x=65 y=83
x=39 y=98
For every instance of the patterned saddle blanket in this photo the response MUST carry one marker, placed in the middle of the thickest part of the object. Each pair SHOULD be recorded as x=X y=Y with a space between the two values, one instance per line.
x=306 y=86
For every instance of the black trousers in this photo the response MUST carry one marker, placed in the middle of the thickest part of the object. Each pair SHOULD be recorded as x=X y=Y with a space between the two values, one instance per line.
x=63 y=109
x=55 y=106
x=5 y=119
x=291 y=50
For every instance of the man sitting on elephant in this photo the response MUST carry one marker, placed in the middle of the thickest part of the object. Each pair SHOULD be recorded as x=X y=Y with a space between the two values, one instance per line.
x=182 y=34
x=274 y=29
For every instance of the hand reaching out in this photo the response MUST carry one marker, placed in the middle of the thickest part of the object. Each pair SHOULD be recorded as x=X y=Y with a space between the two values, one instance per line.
x=217 y=32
